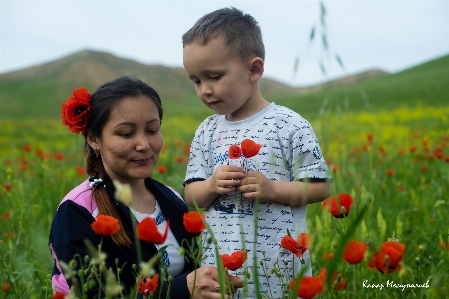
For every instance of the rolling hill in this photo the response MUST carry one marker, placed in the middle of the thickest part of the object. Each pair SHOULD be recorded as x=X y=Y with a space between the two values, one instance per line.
x=37 y=92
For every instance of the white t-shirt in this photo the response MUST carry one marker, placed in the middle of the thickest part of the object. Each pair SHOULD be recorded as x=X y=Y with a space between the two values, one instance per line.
x=170 y=256
x=290 y=152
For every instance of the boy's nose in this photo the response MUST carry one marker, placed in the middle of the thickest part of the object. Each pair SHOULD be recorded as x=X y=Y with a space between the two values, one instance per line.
x=206 y=89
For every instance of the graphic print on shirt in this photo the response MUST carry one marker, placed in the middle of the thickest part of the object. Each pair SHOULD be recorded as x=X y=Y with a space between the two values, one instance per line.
x=234 y=202
x=161 y=219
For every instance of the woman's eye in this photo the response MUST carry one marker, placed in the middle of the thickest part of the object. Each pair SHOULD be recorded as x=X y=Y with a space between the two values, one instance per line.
x=153 y=132
x=125 y=135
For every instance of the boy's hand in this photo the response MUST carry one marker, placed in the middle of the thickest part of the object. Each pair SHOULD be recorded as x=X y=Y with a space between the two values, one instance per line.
x=226 y=178
x=256 y=185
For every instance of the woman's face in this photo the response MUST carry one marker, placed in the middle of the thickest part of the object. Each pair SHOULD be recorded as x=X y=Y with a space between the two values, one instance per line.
x=131 y=140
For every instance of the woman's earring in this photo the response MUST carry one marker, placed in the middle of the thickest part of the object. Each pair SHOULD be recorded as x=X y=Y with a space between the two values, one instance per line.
x=96 y=152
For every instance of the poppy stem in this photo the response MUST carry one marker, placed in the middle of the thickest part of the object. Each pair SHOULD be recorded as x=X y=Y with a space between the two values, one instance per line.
x=342 y=226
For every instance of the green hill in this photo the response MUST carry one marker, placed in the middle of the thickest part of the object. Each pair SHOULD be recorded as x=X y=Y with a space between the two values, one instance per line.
x=425 y=84
x=37 y=92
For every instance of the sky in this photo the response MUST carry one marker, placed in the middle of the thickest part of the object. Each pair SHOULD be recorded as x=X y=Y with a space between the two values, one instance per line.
x=388 y=35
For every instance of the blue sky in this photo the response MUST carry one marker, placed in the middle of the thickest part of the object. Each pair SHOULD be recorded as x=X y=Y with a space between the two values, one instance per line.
x=389 y=35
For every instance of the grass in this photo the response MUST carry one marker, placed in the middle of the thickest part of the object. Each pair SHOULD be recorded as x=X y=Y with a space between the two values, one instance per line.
x=411 y=202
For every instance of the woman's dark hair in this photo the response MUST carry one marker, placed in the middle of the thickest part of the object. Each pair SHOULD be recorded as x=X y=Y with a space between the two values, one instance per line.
x=102 y=102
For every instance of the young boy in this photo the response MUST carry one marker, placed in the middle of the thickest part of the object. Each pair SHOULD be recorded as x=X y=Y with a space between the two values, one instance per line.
x=224 y=57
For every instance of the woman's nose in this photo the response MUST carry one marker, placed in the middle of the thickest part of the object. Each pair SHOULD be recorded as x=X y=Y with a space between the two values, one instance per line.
x=142 y=142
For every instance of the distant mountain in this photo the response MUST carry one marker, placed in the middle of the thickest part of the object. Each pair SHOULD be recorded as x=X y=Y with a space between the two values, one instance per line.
x=37 y=92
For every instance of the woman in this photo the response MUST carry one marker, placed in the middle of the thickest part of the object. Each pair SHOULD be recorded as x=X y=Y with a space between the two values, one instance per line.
x=121 y=124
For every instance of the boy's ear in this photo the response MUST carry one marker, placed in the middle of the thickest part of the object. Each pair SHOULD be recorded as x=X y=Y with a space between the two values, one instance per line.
x=257 y=69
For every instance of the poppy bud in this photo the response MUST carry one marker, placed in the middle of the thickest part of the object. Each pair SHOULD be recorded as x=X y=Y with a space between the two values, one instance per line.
x=417 y=261
x=72 y=263
x=420 y=248
x=134 y=267
x=209 y=240
x=181 y=251
x=261 y=263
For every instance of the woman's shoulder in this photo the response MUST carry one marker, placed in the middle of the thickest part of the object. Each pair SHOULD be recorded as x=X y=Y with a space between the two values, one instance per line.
x=81 y=195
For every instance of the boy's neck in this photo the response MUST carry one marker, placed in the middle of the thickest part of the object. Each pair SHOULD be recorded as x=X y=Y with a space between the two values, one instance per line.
x=250 y=108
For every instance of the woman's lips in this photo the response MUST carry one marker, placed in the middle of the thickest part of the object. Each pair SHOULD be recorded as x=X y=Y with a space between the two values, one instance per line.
x=142 y=161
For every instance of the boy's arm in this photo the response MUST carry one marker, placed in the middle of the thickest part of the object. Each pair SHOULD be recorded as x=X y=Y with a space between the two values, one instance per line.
x=256 y=185
x=223 y=181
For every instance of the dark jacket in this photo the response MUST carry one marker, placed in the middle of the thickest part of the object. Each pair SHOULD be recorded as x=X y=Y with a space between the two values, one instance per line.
x=72 y=225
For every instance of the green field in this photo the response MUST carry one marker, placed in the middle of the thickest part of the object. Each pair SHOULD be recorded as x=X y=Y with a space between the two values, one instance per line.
x=386 y=142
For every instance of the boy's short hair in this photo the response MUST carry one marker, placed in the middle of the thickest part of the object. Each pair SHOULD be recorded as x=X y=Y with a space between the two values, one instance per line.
x=240 y=31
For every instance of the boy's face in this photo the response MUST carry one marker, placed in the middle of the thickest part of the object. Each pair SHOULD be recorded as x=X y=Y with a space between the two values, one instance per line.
x=222 y=80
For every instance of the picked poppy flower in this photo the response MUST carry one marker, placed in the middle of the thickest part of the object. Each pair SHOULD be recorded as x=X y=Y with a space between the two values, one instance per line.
x=148 y=286
x=299 y=246
x=193 y=222
x=5 y=286
x=234 y=152
x=105 y=225
x=337 y=280
x=250 y=148
x=339 y=205
x=235 y=260
x=75 y=111
x=59 y=295
x=354 y=252
x=147 y=231
x=309 y=286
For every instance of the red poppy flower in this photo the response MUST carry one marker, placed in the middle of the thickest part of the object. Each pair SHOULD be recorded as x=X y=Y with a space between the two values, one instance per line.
x=59 y=156
x=27 y=148
x=370 y=138
x=387 y=259
x=148 y=286
x=235 y=260
x=337 y=280
x=105 y=225
x=75 y=111
x=7 y=186
x=297 y=247
x=354 y=252
x=250 y=148
x=161 y=169
x=59 y=295
x=234 y=152
x=179 y=159
x=5 y=215
x=5 y=286
x=80 y=170
x=193 y=222
x=338 y=205
x=328 y=256
x=309 y=286
x=147 y=231
x=390 y=172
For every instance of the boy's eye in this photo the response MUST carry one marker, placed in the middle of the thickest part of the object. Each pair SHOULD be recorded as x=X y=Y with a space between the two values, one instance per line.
x=218 y=77
x=196 y=82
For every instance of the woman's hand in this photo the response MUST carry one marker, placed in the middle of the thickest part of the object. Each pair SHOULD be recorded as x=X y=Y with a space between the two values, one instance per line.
x=206 y=283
